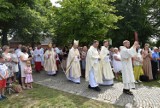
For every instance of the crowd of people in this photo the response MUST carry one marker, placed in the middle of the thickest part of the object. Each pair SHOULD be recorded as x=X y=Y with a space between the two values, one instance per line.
x=98 y=65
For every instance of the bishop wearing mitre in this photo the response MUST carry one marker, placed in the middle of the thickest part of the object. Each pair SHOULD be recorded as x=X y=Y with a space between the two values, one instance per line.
x=73 y=70
x=127 y=71
x=50 y=61
x=105 y=65
x=93 y=68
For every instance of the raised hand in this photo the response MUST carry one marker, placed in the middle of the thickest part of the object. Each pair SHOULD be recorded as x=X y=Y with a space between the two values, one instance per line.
x=136 y=44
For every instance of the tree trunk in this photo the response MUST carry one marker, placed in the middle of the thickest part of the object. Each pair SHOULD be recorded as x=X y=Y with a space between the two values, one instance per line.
x=4 y=37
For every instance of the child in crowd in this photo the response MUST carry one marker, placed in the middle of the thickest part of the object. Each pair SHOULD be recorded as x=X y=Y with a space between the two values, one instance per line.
x=28 y=72
x=14 y=63
x=117 y=65
x=3 y=77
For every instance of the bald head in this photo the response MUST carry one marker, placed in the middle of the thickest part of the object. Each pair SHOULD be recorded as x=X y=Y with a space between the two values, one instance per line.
x=126 y=43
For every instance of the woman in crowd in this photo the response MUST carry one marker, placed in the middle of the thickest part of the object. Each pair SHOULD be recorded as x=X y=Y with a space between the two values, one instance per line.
x=14 y=62
x=8 y=60
x=138 y=63
x=147 y=55
x=23 y=59
x=117 y=65
x=83 y=60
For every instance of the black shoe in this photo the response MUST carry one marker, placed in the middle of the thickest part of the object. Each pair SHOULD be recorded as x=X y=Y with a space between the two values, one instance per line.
x=94 y=88
x=77 y=83
x=111 y=85
x=128 y=92
x=97 y=89
x=125 y=90
x=89 y=87
x=54 y=74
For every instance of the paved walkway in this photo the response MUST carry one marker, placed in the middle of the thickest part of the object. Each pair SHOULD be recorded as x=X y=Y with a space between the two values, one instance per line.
x=144 y=97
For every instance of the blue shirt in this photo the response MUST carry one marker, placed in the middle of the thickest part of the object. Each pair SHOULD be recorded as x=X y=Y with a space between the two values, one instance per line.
x=155 y=56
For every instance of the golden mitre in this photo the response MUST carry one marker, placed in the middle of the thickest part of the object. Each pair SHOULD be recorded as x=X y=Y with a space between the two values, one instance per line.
x=50 y=45
x=76 y=42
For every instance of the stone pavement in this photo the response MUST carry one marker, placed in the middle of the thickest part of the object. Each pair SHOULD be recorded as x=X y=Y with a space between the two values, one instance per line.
x=144 y=97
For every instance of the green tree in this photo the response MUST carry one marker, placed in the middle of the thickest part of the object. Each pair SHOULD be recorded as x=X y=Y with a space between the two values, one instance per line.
x=136 y=18
x=154 y=17
x=9 y=9
x=26 y=19
x=84 y=20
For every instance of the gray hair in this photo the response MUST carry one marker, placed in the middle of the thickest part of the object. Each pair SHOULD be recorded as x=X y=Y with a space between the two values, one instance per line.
x=5 y=47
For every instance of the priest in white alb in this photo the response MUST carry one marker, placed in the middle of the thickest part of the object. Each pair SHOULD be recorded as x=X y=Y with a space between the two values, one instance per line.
x=73 y=70
x=105 y=65
x=38 y=58
x=93 y=71
x=127 y=71
x=50 y=61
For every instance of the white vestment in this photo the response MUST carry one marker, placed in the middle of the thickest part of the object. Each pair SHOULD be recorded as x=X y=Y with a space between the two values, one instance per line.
x=127 y=70
x=38 y=55
x=73 y=71
x=50 y=62
x=93 y=70
x=106 y=67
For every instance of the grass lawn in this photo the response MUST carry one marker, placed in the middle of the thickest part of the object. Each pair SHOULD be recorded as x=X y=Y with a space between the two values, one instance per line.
x=43 y=97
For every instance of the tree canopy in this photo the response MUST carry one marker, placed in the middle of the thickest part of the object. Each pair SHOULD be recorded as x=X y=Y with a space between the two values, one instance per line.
x=25 y=19
x=136 y=15
x=85 y=20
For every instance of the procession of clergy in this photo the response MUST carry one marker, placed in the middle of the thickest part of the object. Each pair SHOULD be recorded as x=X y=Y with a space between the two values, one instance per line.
x=98 y=70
